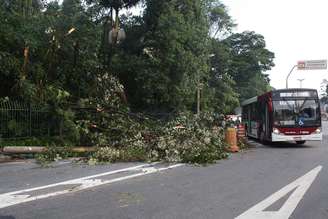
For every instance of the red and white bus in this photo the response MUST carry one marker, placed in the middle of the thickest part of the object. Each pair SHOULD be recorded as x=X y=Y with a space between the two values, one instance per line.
x=283 y=115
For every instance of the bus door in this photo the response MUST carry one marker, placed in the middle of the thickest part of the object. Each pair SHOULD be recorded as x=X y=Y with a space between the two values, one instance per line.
x=263 y=121
x=266 y=126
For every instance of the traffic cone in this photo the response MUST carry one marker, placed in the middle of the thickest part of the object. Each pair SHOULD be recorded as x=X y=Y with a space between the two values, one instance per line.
x=231 y=139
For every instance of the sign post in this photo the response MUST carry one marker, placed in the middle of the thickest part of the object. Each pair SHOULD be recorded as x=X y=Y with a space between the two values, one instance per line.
x=308 y=65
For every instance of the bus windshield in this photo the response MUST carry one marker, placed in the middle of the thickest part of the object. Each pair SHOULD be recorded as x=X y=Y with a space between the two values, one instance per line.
x=304 y=112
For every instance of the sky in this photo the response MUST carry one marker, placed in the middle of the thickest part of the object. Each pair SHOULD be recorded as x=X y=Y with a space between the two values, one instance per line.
x=293 y=29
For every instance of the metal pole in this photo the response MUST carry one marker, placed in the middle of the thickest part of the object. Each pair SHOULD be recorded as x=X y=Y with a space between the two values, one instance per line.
x=289 y=75
x=30 y=115
x=301 y=80
x=198 y=99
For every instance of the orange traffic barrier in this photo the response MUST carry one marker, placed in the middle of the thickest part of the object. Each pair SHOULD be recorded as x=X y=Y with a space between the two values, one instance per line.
x=231 y=139
x=241 y=132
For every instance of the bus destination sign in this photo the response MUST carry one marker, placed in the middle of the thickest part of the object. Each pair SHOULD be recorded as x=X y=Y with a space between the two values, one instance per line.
x=296 y=94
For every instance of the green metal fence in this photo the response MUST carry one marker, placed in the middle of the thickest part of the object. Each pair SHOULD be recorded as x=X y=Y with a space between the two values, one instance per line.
x=23 y=120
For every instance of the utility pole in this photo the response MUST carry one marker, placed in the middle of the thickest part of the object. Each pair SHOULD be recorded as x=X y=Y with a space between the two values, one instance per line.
x=301 y=80
x=198 y=100
x=199 y=89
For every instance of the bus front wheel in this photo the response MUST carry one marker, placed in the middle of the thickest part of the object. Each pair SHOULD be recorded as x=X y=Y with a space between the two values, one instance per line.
x=300 y=142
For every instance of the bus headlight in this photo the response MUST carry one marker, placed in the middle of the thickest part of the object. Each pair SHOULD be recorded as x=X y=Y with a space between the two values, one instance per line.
x=318 y=131
x=276 y=131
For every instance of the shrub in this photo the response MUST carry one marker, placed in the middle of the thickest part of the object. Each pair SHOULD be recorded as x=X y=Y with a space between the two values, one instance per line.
x=110 y=155
x=242 y=143
x=53 y=153
x=107 y=154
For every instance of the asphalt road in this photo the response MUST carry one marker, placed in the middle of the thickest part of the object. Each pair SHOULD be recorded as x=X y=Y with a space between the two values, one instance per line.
x=225 y=190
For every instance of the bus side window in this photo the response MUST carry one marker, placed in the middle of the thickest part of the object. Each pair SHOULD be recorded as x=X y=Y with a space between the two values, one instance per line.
x=253 y=112
x=245 y=113
x=257 y=112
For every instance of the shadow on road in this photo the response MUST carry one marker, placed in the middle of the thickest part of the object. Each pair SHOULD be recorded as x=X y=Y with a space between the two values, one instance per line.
x=289 y=145
x=283 y=145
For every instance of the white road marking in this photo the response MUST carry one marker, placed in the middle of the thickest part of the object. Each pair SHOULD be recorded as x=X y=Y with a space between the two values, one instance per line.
x=301 y=185
x=18 y=197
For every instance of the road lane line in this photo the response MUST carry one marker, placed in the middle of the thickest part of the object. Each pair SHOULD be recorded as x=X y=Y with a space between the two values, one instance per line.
x=301 y=185
x=18 y=197
x=73 y=181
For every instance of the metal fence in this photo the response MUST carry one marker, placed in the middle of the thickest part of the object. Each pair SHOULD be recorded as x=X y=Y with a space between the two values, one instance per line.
x=23 y=120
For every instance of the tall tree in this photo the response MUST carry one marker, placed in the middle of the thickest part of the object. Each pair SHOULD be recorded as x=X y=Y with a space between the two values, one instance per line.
x=79 y=41
x=249 y=60
x=221 y=23
x=176 y=43
x=224 y=97
x=19 y=35
x=324 y=91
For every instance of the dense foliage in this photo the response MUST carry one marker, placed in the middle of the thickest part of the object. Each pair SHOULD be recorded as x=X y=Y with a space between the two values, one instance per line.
x=171 y=48
x=184 y=139
x=91 y=65
x=324 y=90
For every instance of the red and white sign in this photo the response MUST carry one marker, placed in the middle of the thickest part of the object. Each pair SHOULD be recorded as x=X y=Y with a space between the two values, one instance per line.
x=312 y=65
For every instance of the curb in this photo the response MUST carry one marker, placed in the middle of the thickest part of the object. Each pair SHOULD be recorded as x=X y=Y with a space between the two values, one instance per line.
x=5 y=159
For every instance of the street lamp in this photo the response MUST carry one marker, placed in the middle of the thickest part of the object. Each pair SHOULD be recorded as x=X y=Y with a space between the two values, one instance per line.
x=289 y=75
x=301 y=80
